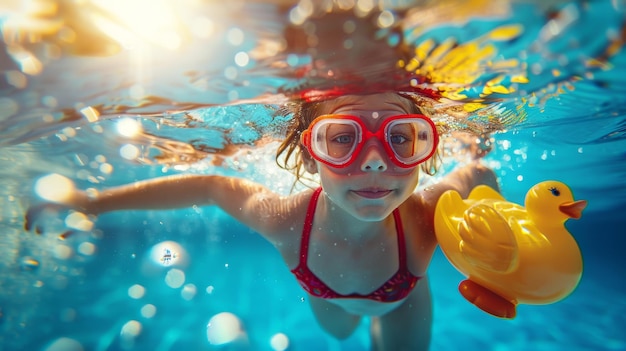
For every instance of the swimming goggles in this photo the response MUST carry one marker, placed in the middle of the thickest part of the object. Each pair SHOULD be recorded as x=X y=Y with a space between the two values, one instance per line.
x=337 y=140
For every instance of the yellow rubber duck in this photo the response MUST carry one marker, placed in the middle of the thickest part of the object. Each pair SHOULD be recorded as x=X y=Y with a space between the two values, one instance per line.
x=509 y=253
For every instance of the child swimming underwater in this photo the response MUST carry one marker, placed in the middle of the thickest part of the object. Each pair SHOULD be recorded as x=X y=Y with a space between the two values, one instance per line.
x=359 y=245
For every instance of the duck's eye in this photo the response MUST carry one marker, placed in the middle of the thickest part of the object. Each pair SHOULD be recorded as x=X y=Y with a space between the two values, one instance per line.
x=555 y=191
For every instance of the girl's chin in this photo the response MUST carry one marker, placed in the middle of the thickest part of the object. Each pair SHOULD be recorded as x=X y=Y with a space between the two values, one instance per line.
x=372 y=213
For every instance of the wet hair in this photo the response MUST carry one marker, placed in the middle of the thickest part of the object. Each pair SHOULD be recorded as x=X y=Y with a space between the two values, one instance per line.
x=291 y=154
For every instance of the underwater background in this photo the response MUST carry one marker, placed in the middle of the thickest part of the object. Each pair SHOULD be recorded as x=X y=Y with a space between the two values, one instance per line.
x=101 y=93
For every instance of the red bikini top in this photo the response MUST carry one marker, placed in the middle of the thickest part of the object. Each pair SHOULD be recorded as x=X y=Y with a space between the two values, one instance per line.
x=396 y=288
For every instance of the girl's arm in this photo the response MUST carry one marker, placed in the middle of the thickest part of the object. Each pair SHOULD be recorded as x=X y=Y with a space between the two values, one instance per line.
x=465 y=178
x=249 y=202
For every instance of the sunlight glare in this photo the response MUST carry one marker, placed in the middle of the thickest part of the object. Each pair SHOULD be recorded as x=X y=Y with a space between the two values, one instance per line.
x=90 y=113
x=79 y=221
x=279 y=342
x=202 y=27
x=131 y=329
x=168 y=253
x=223 y=328
x=148 y=310
x=136 y=291
x=55 y=188
x=385 y=19
x=175 y=278
x=64 y=344
x=128 y=127
x=139 y=21
x=28 y=62
x=242 y=59
x=188 y=292
x=129 y=152
x=87 y=248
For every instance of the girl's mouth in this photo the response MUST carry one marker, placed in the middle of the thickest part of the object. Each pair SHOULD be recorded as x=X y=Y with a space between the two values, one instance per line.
x=372 y=193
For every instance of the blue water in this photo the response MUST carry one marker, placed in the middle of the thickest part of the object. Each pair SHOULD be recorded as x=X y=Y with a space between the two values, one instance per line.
x=105 y=290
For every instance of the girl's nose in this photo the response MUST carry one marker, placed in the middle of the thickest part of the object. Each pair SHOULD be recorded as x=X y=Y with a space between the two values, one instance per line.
x=374 y=159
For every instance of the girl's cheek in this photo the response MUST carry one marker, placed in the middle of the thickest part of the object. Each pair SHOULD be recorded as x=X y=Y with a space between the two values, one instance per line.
x=337 y=172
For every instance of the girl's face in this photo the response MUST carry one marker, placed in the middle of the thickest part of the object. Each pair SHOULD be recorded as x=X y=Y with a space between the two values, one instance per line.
x=372 y=186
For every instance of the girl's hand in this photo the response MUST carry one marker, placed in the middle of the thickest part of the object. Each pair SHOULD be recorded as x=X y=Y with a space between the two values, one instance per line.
x=476 y=146
x=35 y=215
x=56 y=217
x=481 y=146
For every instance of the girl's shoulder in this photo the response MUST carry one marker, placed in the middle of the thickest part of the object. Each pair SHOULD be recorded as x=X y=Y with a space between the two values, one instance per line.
x=423 y=199
x=419 y=228
x=420 y=207
x=284 y=214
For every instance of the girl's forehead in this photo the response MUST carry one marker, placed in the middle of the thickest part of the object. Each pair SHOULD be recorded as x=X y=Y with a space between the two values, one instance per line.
x=365 y=105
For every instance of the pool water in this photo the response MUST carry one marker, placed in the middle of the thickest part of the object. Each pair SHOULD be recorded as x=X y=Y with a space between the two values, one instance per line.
x=202 y=93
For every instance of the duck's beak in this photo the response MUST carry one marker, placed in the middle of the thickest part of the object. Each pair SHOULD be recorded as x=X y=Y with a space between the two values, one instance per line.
x=573 y=209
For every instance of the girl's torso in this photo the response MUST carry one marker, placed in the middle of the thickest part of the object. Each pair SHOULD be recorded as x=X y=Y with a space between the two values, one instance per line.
x=348 y=262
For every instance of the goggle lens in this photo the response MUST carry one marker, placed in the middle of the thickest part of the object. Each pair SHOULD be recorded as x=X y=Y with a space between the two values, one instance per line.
x=337 y=139
x=411 y=140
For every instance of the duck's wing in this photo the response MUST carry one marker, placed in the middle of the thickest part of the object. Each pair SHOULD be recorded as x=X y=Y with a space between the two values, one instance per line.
x=487 y=240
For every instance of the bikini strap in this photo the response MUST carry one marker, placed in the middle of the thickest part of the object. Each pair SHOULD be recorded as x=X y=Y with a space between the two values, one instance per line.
x=308 y=225
x=401 y=243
